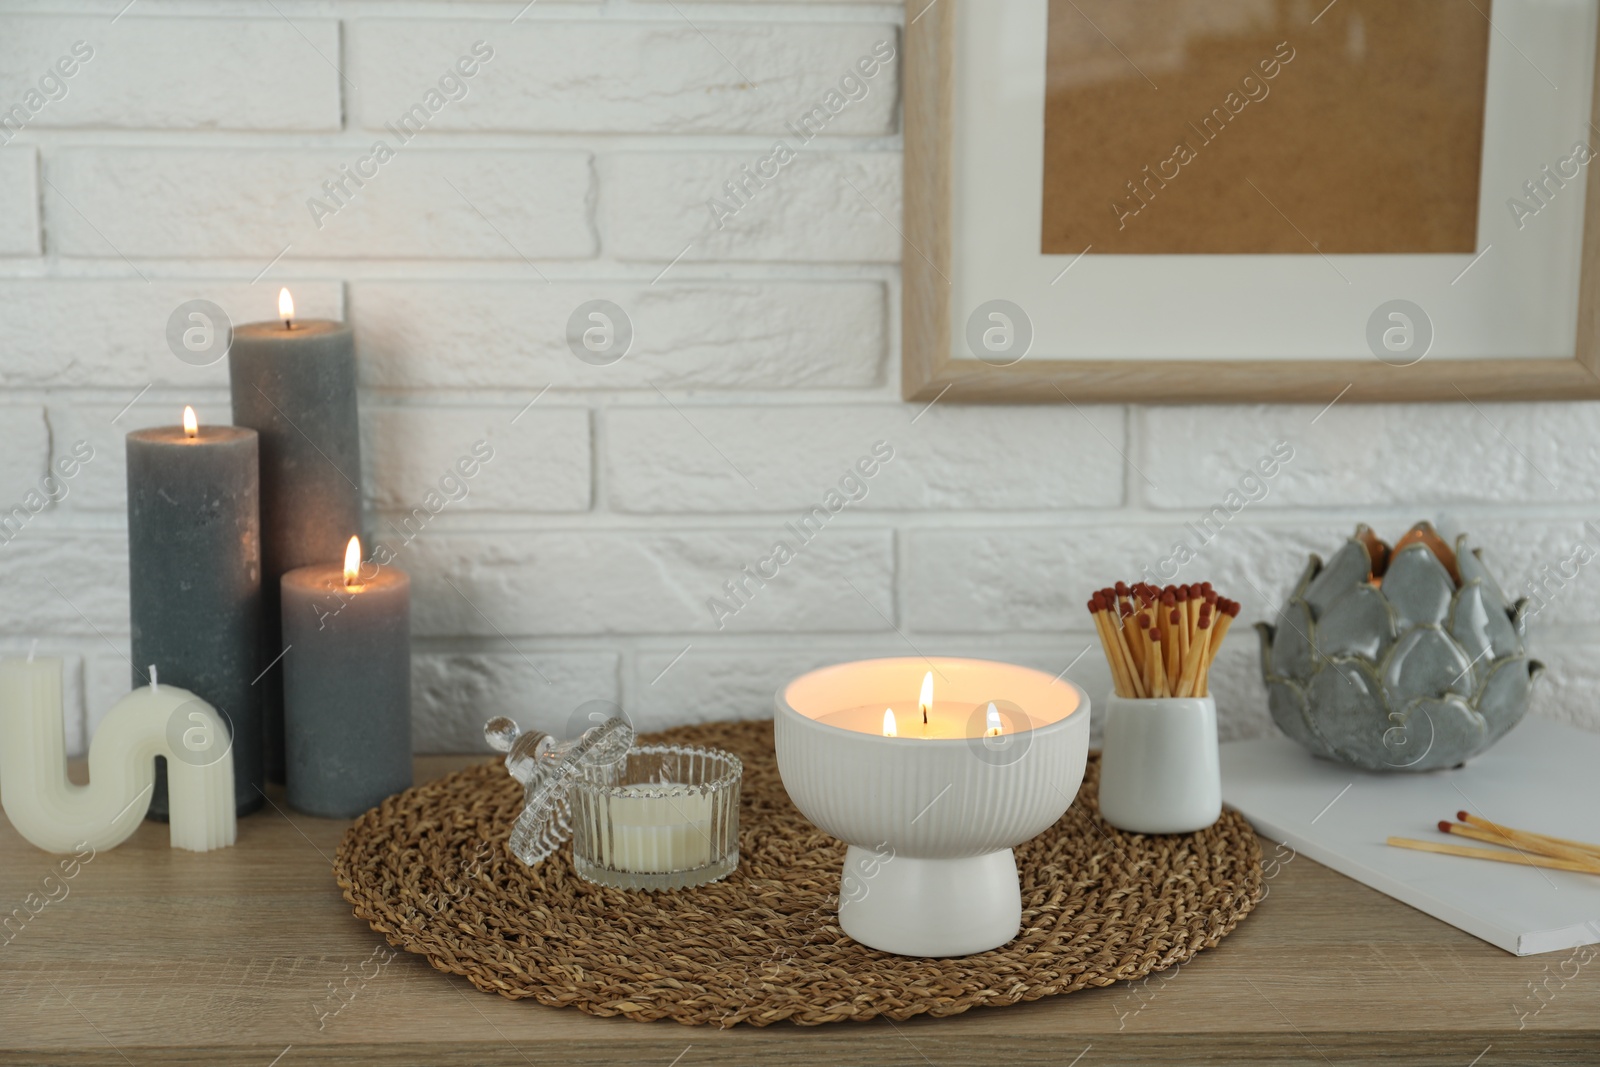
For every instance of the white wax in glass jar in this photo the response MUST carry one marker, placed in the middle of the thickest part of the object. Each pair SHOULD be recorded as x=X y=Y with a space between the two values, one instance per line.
x=657 y=831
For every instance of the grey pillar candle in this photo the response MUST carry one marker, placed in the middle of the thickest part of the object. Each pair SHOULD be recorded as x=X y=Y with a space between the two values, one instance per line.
x=194 y=581
x=294 y=383
x=346 y=686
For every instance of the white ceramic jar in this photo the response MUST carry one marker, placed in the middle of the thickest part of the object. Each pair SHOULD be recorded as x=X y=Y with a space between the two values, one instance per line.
x=1158 y=765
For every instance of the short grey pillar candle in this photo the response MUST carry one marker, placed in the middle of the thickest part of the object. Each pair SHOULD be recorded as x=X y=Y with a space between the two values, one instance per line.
x=346 y=687
x=294 y=383
x=194 y=581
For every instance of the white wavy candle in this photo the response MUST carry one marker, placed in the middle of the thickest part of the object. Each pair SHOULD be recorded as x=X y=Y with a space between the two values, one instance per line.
x=156 y=720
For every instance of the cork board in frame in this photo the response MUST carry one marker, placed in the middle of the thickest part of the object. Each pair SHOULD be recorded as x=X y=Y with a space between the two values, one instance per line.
x=1401 y=99
x=939 y=254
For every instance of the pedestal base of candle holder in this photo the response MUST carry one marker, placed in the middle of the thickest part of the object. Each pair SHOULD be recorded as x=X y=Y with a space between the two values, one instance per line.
x=917 y=907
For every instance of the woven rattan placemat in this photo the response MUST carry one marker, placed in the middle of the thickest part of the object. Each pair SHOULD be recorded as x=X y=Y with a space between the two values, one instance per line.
x=430 y=871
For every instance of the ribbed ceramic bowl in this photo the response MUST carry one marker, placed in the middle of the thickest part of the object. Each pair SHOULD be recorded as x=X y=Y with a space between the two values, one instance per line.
x=933 y=799
x=930 y=823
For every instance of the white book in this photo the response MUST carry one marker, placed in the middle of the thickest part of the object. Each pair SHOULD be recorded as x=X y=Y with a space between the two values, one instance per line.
x=1543 y=777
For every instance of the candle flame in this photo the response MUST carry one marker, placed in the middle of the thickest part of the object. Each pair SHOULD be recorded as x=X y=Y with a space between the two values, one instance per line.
x=888 y=723
x=352 y=563
x=925 y=701
x=191 y=424
x=286 y=308
x=992 y=724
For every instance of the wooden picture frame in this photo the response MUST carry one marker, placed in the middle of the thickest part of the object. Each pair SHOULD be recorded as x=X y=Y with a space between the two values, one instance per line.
x=930 y=369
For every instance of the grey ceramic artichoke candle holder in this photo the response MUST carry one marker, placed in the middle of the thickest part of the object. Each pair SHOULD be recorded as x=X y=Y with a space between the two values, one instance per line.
x=1403 y=660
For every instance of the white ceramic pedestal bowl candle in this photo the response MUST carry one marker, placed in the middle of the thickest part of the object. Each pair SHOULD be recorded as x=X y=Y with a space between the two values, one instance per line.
x=931 y=816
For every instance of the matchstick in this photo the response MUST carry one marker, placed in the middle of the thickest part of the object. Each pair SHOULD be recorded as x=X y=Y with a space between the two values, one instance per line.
x=1498 y=828
x=1173 y=647
x=1130 y=640
x=1159 y=663
x=1142 y=636
x=1108 y=644
x=1229 y=611
x=1125 y=650
x=1147 y=606
x=1495 y=834
x=1186 y=625
x=1490 y=854
x=1125 y=654
x=1189 y=683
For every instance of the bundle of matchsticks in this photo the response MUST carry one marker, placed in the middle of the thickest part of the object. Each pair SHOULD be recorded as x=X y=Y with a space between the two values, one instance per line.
x=1162 y=642
x=1529 y=849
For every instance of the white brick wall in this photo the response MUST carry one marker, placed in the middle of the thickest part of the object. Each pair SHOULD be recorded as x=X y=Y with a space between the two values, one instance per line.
x=753 y=335
x=19 y=201
x=579 y=165
x=655 y=77
x=176 y=73
x=249 y=203
x=82 y=332
x=579 y=582
x=409 y=452
x=823 y=206
x=788 y=457
x=25 y=442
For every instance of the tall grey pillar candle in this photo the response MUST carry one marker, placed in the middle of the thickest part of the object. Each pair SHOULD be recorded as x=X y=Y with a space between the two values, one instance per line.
x=194 y=581
x=294 y=383
x=346 y=687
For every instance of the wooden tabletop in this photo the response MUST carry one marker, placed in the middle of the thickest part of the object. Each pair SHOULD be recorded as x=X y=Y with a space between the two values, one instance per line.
x=154 y=956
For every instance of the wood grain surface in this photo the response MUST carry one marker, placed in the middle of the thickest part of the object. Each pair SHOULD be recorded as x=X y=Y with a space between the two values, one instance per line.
x=154 y=956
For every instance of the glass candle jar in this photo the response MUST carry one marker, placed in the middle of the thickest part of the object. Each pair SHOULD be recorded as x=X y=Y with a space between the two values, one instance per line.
x=665 y=818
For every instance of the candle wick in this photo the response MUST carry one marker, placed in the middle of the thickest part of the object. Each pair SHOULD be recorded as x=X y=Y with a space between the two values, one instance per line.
x=153 y=679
